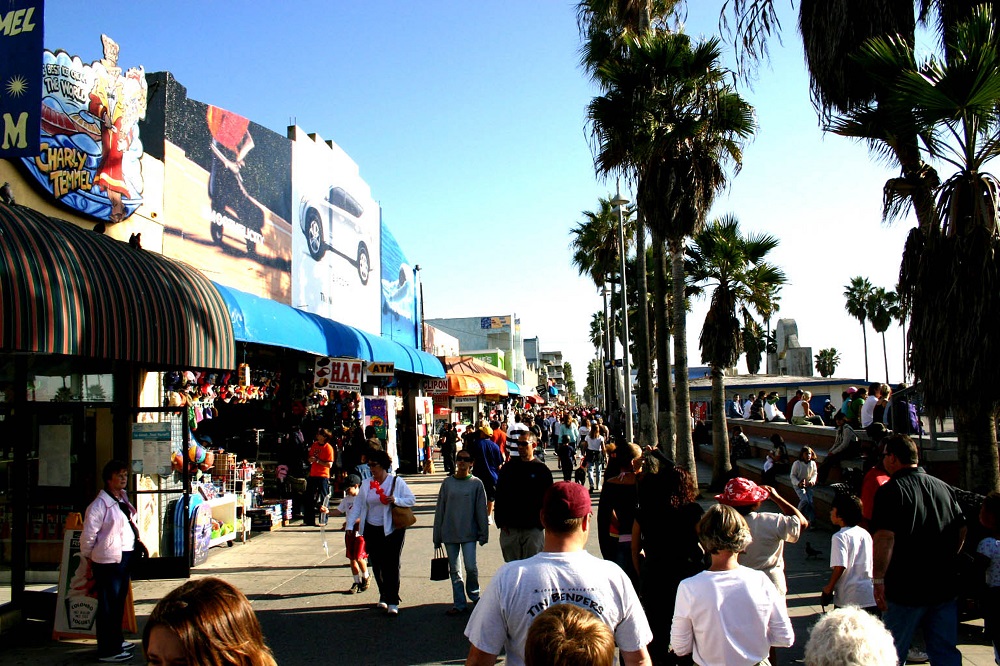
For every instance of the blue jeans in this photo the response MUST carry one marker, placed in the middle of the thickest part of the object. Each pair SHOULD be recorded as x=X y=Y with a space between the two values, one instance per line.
x=806 y=503
x=471 y=584
x=940 y=624
x=595 y=464
x=111 y=581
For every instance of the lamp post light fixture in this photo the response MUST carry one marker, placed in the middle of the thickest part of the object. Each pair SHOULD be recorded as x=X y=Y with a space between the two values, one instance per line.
x=620 y=202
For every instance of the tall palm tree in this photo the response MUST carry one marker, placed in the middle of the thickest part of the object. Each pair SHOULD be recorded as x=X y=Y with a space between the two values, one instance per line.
x=594 y=246
x=857 y=295
x=949 y=279
x=664 y=382
x=882 y=309
x=734 y=267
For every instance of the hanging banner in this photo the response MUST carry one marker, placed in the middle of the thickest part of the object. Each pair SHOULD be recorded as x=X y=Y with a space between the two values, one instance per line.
x=21 y=46
x=337 y=374
x=436 y=386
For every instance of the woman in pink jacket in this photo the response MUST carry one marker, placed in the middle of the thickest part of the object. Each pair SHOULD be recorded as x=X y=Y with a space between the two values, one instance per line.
x=108 y=541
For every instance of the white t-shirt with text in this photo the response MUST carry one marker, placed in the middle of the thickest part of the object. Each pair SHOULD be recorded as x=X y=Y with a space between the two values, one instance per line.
x=522 y=589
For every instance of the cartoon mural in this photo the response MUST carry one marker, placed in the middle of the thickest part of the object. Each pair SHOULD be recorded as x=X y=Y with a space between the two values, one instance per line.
x=90 y=148
x=399 y=293
x=336 y=243
x=226 y=191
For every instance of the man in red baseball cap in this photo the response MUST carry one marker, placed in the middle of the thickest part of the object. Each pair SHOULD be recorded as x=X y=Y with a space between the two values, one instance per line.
x=563 y=573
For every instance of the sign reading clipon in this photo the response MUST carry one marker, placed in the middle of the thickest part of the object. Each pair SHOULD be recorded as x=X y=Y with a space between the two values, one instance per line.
x=338 y=374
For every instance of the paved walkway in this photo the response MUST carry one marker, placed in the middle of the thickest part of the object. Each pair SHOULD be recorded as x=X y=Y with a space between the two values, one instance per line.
x=297 y=592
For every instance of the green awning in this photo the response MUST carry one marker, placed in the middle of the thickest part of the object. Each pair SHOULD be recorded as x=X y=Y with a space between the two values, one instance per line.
x=67 y=290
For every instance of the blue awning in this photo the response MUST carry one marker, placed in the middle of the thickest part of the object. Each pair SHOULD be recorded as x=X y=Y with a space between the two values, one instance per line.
x=268 y=322
x=512 y=388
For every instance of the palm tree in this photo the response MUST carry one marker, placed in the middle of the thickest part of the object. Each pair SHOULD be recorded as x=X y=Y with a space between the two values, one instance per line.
x=949 y=280
x=664 y=383
x=754 y=342
x=735 y=269
x=827 y=361
x=857 y=294
x=595 y=255
x=882 y=309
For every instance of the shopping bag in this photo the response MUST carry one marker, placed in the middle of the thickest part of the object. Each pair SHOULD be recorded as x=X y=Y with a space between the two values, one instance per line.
x=439 y=565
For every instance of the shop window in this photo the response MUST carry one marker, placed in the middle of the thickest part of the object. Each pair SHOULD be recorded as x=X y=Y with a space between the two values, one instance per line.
x=97 y=388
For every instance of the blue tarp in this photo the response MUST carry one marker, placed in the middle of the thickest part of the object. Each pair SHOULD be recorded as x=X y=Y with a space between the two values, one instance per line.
x=267 y=322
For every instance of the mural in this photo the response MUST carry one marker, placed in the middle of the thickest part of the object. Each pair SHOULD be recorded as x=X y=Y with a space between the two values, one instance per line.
x=399 y=293
x=90 y=151
x=227 y=193
x=336 y=238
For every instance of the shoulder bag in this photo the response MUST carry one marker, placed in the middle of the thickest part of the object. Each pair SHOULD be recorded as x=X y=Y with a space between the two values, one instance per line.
x=402 y=516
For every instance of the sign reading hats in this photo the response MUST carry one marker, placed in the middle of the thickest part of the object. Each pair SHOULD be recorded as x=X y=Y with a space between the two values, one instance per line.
x=378 y=369
x=338 y=374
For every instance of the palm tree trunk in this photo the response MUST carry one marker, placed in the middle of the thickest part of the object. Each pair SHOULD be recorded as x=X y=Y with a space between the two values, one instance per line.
x=975 y=425
x=665 y=390
x=682 y=408
x=720 y=433
x=864 y=335
x=647 y=424
x=885 y=357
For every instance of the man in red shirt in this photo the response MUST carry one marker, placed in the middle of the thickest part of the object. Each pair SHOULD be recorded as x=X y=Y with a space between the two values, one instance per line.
x=318 y=483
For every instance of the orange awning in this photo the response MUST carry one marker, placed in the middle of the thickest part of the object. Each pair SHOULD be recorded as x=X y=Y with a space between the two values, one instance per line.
x=465 y=384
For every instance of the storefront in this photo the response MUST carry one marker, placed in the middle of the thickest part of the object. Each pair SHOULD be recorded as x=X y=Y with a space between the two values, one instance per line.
x=87 y=323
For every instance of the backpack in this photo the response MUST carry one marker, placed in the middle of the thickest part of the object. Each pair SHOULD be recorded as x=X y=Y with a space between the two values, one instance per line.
x=905 y=419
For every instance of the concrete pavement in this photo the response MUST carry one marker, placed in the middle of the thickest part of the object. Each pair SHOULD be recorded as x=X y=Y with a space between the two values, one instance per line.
x=297 y=592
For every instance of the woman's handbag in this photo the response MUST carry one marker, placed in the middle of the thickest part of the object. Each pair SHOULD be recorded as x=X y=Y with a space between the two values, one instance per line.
x=439 y=565
x=402 y=516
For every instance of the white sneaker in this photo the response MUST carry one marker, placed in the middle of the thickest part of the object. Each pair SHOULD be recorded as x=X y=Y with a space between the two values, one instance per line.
x=915 y=656
x=381 y=605
x=489 y=520
x=393 y=609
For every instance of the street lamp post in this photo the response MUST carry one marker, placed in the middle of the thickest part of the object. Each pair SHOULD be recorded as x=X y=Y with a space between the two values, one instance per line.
x=607 y=357
x=620 y=202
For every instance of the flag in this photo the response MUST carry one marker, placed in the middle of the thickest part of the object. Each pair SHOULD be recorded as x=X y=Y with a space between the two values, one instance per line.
x=21 y=44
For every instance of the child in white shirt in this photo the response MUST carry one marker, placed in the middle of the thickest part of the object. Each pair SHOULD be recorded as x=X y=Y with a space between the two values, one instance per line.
x=850 y=556
x=354 y=543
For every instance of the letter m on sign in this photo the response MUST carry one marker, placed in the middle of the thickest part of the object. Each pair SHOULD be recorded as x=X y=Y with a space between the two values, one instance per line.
x=21 y=77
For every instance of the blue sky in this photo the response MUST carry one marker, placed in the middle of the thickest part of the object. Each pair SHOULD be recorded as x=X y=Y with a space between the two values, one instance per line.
x=467 y=120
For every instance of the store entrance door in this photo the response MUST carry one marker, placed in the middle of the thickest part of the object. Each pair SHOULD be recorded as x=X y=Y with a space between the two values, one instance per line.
x=161 y=493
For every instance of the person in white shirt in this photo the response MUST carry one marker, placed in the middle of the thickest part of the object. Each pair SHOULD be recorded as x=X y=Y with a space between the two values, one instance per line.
x=747 y=404
x=729 y=615
x=850 y=556
x=564 y=572
x=868 y=408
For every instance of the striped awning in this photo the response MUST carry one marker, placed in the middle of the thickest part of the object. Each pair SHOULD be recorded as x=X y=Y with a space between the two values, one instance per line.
x=67 y=290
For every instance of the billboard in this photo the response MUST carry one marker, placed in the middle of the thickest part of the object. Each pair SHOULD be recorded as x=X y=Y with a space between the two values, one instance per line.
x=21 y=30
x=89 y=155
x=399 y=293
x=336 y=235
x=227 y=193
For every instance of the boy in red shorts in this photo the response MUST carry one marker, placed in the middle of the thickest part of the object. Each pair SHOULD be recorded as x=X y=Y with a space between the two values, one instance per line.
x=353 y=541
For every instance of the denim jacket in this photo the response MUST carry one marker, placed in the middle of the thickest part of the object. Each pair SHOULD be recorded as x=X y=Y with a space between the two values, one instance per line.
x=105 y=530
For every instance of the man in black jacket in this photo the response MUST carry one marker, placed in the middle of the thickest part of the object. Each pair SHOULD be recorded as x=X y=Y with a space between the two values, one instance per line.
x=520 y=487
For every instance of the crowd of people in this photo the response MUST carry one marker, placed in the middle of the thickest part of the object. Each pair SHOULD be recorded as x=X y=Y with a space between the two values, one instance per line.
x=677 y=581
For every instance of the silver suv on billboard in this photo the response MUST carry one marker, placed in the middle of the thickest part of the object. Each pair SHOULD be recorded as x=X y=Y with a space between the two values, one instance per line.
x=334 y=223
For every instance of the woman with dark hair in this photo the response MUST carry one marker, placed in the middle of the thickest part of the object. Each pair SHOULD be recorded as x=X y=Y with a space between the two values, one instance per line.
x=383 y=541
x=616 y=509
x=207 y=622
x=777 y=460
x=108 y=541
x=665 y=548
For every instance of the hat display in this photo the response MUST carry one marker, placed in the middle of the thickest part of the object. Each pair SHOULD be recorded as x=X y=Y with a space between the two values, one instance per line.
x=565 y=500
x=742 y=492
